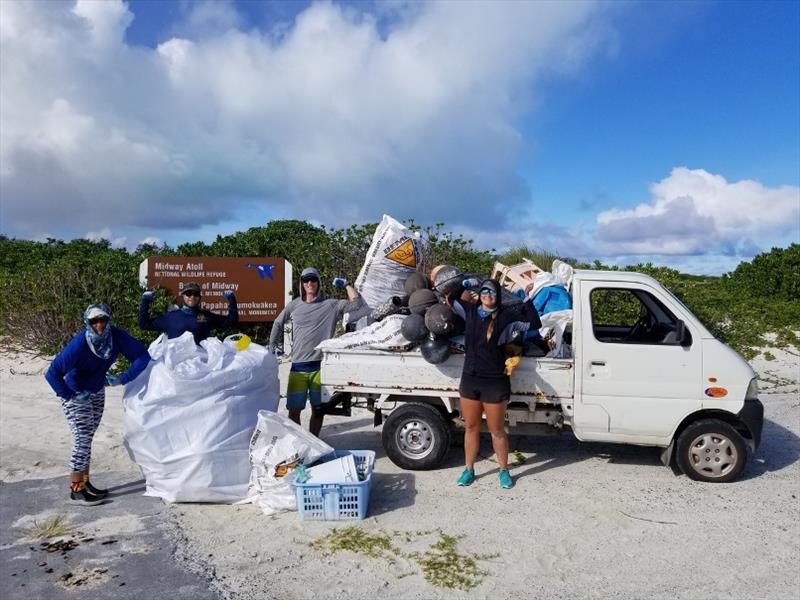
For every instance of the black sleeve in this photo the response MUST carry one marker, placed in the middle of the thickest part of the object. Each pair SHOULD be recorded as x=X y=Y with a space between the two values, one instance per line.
x=145 y=321
x=455 y=294
x=525 y=312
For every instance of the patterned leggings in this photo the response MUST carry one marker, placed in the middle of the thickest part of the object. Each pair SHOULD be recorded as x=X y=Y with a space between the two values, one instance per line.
x=84 y=419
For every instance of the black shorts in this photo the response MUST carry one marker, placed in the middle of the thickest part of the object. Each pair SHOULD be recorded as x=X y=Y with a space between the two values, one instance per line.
x=491 y=390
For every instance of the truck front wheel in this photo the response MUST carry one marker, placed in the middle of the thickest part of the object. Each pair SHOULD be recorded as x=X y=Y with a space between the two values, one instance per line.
x=711 y=450
x=416 y=436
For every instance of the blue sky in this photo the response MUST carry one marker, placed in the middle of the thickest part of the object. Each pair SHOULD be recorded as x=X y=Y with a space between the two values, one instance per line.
x=626 y=131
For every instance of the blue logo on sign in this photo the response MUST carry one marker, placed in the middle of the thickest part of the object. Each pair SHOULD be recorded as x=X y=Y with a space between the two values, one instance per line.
x=264 y=271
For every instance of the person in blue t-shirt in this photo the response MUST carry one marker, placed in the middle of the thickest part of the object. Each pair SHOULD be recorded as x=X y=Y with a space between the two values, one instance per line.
x=77 y=375
x=190 y=316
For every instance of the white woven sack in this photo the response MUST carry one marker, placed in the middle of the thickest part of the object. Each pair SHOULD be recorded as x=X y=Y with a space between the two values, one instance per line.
x=277 y=448
x=394 y=254
x=190 y=415
x=382 y=335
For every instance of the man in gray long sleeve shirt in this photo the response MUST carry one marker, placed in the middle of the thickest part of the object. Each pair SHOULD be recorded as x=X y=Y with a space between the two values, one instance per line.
x=314 y=320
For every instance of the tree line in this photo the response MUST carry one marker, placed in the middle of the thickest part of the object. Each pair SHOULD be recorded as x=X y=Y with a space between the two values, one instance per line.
x=45 y=286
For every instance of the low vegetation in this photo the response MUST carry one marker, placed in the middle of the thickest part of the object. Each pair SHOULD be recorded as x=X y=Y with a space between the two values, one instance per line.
x=440 y=564
x=55 y=526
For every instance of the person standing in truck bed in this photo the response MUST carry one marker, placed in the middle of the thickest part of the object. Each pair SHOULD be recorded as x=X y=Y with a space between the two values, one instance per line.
x=313 y=320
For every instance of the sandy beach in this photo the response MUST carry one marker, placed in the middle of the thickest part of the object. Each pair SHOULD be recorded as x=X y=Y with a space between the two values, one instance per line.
x=584 y=520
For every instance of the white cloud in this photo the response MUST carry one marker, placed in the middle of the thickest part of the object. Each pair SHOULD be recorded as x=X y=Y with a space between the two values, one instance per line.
x=105 y=234
x=333 y=119
x=693 y=211
x=151 y=241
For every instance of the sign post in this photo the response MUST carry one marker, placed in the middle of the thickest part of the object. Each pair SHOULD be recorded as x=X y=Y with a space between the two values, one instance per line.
x=262 y=286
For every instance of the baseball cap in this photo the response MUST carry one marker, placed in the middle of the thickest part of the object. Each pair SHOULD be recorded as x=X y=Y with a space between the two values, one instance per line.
x=97 y=311
x=309 y=273
x=191 y=287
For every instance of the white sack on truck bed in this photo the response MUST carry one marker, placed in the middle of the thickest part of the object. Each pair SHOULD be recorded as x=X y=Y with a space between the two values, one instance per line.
x=189 y=417
x=394 y=254
x=383 y=335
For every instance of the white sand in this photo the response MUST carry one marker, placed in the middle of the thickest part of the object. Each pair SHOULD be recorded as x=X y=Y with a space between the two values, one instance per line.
x=583 y=521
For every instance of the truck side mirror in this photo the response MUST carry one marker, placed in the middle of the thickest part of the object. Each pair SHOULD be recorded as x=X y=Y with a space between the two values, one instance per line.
x=682 y=334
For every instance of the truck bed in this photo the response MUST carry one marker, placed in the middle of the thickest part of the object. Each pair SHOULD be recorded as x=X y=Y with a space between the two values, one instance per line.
x=378 y=372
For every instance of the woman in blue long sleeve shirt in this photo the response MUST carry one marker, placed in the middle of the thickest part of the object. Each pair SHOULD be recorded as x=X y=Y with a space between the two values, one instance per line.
x=78 y=375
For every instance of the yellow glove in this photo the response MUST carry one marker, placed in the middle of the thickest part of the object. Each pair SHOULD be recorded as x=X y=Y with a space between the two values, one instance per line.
x=511 y=364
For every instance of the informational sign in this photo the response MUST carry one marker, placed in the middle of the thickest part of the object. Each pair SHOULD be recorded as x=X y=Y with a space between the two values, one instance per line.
x=262 y=285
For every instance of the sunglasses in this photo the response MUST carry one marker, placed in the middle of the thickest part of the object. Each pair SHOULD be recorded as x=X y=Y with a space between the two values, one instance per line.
x=97 y=320
x=488 y=292
x=197 y=294
x=308 y=279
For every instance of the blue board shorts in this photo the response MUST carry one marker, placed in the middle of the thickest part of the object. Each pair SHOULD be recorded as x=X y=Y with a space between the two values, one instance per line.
x=303 y=385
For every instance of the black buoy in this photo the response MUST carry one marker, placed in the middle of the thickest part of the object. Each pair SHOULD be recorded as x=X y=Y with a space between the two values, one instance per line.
x=413 y=328
x=448 y=278
x=421 y=300
x=441 y=320
x=392 y=306
x=435 y=349
x=415 y=281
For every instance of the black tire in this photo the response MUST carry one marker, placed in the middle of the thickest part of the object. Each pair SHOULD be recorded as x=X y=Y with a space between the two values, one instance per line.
x=416 y=436
x=711 y=450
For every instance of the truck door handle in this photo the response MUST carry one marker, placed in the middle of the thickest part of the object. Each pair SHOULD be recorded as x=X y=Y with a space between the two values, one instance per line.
x=598 y=363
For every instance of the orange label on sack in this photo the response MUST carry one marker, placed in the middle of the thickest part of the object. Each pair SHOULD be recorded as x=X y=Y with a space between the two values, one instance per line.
x=404 y=253
x=282 y=469
x=716 y=392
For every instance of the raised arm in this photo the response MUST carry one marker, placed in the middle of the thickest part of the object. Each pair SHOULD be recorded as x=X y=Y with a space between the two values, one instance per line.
x=145 y=322
x=525 y=312
x=232 y=318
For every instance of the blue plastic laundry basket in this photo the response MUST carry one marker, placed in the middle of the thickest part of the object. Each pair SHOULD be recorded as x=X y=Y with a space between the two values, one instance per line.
x=337 y=501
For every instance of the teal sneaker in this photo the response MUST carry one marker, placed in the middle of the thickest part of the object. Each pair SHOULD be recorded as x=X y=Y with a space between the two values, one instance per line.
x=467 y=477
x=505 y=479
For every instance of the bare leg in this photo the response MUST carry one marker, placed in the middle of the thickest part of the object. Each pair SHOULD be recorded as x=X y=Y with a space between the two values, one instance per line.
x=471 y=410
x=496 y=420
x=294 y=415
x=315 y=425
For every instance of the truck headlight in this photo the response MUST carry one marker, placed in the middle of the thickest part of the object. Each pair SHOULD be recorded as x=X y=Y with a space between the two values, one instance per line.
x=752 y=390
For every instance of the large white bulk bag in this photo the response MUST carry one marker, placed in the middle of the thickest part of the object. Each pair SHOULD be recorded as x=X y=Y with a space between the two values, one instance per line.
x=189 y=417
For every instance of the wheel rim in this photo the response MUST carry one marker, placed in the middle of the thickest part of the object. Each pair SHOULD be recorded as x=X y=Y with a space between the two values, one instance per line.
x=713 y=455
x=414 y=439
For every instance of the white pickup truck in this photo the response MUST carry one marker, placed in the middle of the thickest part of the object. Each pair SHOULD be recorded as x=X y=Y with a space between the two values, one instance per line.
x=644 y=372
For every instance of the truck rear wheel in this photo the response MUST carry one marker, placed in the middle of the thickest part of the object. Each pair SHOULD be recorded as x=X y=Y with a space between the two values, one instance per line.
x=711 y=450
x=416 y=436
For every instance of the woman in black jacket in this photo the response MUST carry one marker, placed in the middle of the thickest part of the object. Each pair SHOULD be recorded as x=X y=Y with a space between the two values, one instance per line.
x=485 y=383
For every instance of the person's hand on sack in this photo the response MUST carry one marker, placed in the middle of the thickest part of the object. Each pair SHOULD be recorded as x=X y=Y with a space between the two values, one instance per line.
x=82 y=396
x=228 y=294
x=511 y=364
x=339 y=282
x=148 y=296
x=113 y=380
x=472 y=282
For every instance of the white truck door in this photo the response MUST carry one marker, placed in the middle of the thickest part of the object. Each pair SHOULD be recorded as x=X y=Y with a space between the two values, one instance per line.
x=632 y=364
